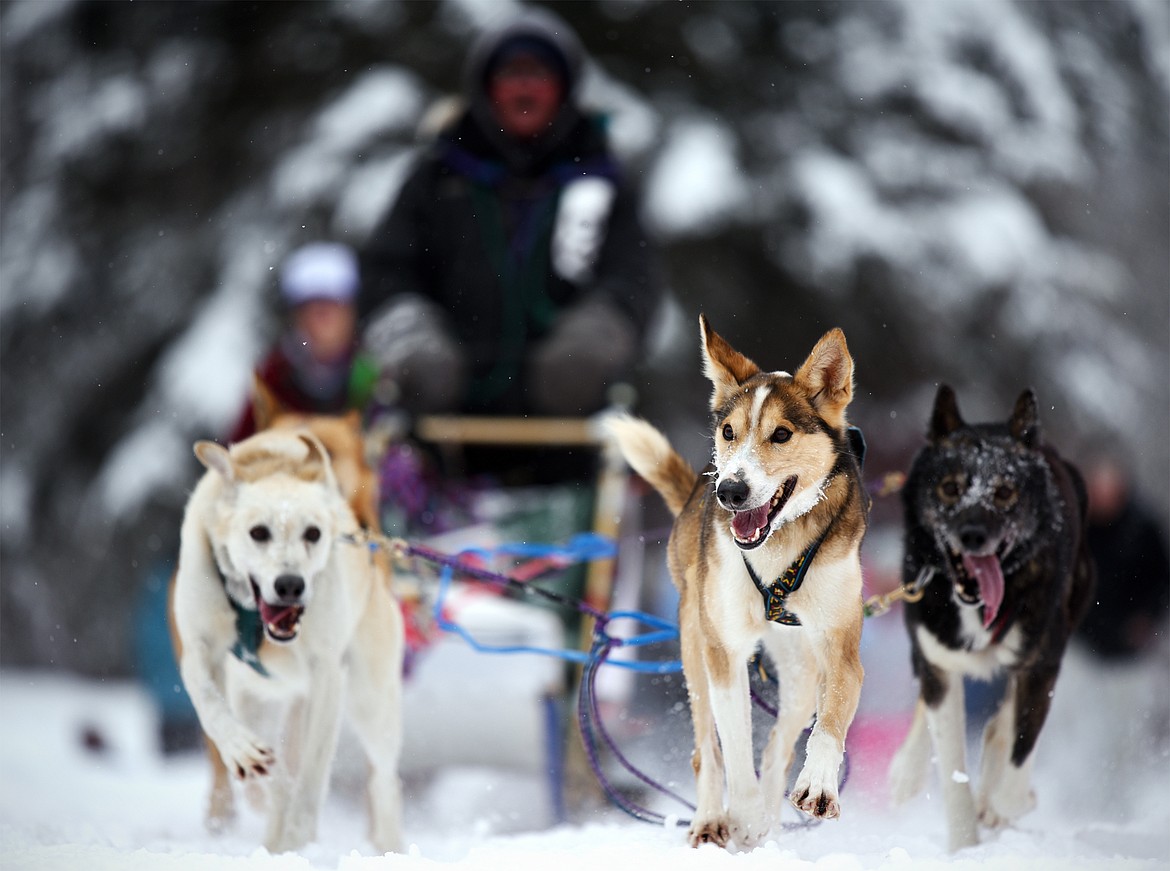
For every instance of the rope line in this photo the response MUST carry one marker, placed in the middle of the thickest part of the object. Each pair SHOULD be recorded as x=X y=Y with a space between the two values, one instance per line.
x=591 y=723
x=582 y=548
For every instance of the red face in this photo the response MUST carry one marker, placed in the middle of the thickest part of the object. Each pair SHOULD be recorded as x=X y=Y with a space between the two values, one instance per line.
x=327 y=326
x=525 y=95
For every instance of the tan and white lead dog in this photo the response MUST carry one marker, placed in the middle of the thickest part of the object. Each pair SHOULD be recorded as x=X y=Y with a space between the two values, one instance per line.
x=765 y=550
x=282 y=622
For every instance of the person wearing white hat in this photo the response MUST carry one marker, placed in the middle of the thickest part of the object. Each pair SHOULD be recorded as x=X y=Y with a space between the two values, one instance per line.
x=315 y=367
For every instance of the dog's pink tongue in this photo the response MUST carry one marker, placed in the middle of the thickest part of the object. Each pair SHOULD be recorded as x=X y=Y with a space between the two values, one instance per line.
x=745 y=523
x=275 y=615
x=986 y=570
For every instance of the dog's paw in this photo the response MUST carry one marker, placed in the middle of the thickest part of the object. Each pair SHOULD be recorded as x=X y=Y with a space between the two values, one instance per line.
x=816 y=795
x=386 y=841
x=990 y=819
x=1005 y=807
x=823 y=804
x=713 y=830
x=748 y=835
x=724 y=831
x=245 y=756
x=290 y=833
x=284 y=843
x=815 y=790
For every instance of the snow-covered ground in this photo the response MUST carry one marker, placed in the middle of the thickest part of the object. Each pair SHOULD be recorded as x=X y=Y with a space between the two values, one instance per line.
x=83 y=786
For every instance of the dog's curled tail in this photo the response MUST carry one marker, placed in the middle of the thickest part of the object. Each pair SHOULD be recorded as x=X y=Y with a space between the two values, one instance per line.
x=651 y=456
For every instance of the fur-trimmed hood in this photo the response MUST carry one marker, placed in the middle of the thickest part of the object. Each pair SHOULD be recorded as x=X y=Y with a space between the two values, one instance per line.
x=539 y=24
x=522 y=157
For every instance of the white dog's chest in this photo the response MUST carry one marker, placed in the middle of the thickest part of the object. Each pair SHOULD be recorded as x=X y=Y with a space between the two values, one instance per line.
x=982 y=659
x=287 y=672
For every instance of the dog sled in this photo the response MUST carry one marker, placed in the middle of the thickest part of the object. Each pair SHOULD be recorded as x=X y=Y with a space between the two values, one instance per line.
x=575 y=539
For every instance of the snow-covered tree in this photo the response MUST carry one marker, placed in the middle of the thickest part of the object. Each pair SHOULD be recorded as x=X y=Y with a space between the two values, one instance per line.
x=975 y=190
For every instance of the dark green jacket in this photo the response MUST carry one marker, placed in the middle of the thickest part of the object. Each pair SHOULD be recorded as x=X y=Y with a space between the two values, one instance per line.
x=471 y=230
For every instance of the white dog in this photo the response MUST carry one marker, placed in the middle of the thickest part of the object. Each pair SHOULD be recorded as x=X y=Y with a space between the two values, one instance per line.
x=280 y=617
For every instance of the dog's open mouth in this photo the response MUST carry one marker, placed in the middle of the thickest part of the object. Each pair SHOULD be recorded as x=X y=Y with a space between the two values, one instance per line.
x=751 y=528
x=281 y=622
x=979 y=580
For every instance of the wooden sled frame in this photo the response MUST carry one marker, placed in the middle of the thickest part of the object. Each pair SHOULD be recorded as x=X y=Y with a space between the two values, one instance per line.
x=450 y=433
x=453 y=431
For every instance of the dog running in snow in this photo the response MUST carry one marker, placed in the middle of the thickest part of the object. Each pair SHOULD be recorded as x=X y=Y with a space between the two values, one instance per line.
x=281 y=621
x=995 y=524
x=765 y=550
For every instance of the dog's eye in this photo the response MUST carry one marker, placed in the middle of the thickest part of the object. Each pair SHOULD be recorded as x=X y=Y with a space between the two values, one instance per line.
x=781 y=435
x=260 y=533
x=1005 y=495
x=312 y=535
x=950 y=489
x=728 y=432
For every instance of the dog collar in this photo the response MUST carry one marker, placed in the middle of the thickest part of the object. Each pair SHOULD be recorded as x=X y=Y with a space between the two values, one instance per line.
x=776 y=593
x=249 y=632
x=1002 y=622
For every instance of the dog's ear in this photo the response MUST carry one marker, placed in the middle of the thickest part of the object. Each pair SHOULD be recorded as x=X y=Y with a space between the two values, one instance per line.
x=216 y=458
x=318 y=452
x=945 y=418
x=265 y=405
x=1024 y=424
x=723 y=365
x=826 y=376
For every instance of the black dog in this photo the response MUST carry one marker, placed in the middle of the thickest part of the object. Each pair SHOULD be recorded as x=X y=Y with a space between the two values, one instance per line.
x=995 y=540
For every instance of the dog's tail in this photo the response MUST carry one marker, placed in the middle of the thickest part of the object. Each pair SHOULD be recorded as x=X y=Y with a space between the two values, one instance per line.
x=651 y=456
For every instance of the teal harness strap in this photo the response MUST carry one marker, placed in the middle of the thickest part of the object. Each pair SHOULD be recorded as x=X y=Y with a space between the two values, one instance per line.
x=249 y=633
x=776 y=593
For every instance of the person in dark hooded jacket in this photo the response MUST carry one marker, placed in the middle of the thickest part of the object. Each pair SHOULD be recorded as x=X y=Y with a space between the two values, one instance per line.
x=511 y=275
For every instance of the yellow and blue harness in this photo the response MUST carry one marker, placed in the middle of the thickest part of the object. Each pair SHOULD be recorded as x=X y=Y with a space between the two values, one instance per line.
x=776 y=593
x=788 y=582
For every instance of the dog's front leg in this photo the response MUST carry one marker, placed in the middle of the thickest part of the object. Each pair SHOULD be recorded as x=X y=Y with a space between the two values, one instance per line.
x=796 y=671
x=244 y=754
x=839 y=665
x=731 y=706
x=1009 y=742
x=948 y=728
x=204 y=626
x=316 y=737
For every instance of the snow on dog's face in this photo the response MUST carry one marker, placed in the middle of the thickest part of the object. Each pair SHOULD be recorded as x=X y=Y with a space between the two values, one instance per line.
x=276 y=522
x=982 y=492
x=776 y=435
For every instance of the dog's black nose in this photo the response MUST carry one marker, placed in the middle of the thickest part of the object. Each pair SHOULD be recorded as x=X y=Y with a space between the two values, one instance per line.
x=289 y=587
x=973 y=538
x=732 y=493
